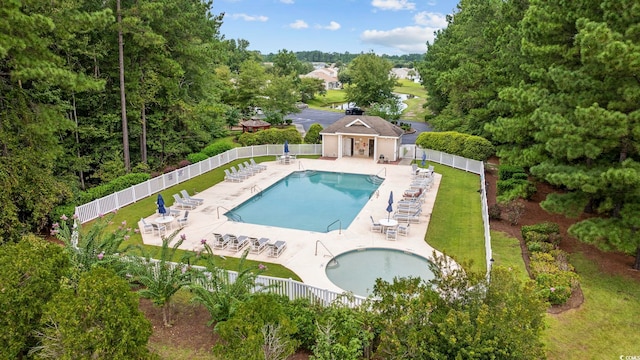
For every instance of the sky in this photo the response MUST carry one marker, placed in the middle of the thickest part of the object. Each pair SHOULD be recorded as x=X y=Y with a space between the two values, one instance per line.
x=392 y=27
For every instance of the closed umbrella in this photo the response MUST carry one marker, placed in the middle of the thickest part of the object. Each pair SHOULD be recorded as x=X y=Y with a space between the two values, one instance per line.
x=424 y=158
x=161 y=209
x=390 y=206
x=286 y=147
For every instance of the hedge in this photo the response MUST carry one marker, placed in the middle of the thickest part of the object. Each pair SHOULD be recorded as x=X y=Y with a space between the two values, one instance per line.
x=216 y=148
x=455 y=143
x=271 y=136
x=197 y=157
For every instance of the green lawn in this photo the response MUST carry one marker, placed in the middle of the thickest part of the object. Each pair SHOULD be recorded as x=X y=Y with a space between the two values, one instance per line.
x=605 y=326
x=455 y=227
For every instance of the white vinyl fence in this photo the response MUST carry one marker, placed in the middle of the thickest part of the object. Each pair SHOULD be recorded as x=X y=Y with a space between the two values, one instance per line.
x=150 y=187
x=287 y=287
x=115 y=201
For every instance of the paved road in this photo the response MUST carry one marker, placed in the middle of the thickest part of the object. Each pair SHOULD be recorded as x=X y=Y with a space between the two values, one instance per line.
x=326 y=118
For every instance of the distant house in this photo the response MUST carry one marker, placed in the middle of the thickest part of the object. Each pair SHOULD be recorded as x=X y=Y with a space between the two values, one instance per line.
x=328 y=75
x=254 y=125
x=406 y=73
x=362 y=136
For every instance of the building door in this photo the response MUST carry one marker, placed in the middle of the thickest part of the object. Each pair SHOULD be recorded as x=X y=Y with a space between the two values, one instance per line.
x=347 y=147
x=372 y=143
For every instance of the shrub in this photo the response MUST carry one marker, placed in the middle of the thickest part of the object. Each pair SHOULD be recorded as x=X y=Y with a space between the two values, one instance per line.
x=513 y=210
x=99 y=319
x=512 y=189
x=217 y=148
x=495 y=212
x=258 y=328
x=197 y=157
x=549 y=230
x=113 y=186
x=304 y=314
x=539 y=246
x=313 y=135
x=183 y=163
x=557 y=287
x=271 y=136
x=506 y=172
x=30 y=275
x=469 y=146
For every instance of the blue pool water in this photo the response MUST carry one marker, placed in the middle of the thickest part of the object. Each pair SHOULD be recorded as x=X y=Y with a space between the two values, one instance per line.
x=357 y=270
x=309 y=200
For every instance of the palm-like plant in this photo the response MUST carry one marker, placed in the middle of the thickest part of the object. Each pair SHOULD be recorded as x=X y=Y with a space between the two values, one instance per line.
x=95 y=246
x=218 y=292
x=161 y=279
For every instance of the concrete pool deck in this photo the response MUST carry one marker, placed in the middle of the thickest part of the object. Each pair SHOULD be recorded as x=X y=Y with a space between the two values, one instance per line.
x=300 y=255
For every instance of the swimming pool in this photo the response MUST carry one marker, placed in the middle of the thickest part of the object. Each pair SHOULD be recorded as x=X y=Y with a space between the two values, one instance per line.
x=357 y=270
x=317 y=201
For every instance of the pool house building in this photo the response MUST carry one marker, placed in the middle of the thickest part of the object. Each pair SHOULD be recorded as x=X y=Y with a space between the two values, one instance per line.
x=362 y=136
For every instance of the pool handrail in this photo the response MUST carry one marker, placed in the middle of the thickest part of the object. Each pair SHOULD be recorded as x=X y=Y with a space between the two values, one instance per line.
x=337 y=221
x=229 y=211
x=333 y=257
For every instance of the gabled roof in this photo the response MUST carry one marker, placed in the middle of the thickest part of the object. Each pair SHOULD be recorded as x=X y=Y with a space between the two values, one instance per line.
x=363 y=125
x=255 y=123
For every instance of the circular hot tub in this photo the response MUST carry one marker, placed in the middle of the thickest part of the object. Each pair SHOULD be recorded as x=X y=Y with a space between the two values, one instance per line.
x=357 y=270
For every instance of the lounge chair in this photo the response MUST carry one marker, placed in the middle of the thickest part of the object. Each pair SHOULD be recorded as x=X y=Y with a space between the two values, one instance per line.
x=242 y=175
x=238 y=243
x=253 y=168
x=244 y=170
x=146 y=228
x=260 y=166
x=258 y=245
x=220 y=242
x=228 y=176
x=409 y=218
x=408 y=210
x=182 y=222
x=173 y=212
x=412 y=193
x=277 y=248
x=186 y=196
x=375 y=226
x=179 y=202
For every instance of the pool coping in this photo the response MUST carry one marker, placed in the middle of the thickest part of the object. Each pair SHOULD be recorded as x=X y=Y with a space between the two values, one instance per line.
x=303 y=254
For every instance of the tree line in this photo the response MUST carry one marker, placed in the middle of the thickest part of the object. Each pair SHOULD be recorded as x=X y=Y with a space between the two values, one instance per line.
x=91 y=91
x=555 y=87
x=406 y=60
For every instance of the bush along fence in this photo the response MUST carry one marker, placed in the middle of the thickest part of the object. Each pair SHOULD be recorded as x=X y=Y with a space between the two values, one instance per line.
x=549 y=266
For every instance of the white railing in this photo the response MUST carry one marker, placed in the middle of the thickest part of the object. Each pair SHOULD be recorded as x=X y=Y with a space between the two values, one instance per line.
x=286 y=287
x=115 y=201
x=150 y=187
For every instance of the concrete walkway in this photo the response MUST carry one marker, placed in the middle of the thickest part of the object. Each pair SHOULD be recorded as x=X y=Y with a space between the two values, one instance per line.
x=302 y=255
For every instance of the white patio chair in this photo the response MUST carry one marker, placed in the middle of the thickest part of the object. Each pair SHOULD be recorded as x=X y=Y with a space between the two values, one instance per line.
x=182 y=222
x=376 y=227
x=228 y=176
x=392 y=233
x=277 y=248
x=146 y=228
x=159 y=229
x=179 y=202
x=403 y=229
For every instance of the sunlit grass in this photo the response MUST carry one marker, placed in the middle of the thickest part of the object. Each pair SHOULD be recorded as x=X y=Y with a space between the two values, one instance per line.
x=455 y=227
x=507 y=253
x=606 y=324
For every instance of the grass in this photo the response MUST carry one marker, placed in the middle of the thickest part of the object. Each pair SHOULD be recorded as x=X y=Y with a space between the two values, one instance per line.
x=455 y=227
x=507 y=253
x=605 y=326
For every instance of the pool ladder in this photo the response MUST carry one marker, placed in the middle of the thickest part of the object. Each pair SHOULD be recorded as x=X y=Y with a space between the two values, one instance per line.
x=333 y=258
x=256 y=189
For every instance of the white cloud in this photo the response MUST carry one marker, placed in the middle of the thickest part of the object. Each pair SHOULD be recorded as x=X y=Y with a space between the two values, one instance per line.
x=410 y=39
x=425 y=18
x=393 y=5
x=299 y=24
x=332 y=26
x=286 y=1
x=246 y=17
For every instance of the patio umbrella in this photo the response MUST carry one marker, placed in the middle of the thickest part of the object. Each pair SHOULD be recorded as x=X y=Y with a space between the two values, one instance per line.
x=390 y=206
x=161 y=209
x=286 y=147
x=424 y=158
